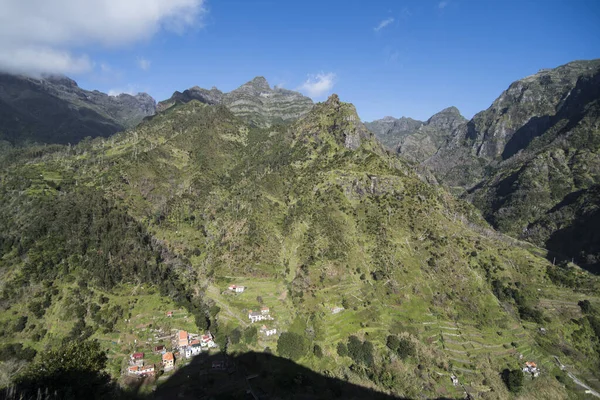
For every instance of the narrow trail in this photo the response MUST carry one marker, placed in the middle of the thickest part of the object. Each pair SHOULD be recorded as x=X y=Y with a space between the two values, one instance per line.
x=576 y=380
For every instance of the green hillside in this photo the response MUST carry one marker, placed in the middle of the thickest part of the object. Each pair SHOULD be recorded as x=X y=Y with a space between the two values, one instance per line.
x=100 y=240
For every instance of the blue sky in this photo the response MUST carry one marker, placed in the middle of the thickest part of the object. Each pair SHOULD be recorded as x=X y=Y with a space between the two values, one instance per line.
x=398 y=58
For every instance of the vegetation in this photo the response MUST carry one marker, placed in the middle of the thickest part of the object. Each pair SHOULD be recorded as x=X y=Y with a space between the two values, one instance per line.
x=308 y=217
x=291 y=345
x=513 y=379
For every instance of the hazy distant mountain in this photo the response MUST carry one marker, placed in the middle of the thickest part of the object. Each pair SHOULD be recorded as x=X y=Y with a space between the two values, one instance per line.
x=56 y=110
x=416 y=140
x=254 y=101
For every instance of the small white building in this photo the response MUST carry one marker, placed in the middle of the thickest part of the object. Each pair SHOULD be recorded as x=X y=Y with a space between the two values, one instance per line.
x=237 y=289
x=264 y=310
x=268 y=331
x=193 y=350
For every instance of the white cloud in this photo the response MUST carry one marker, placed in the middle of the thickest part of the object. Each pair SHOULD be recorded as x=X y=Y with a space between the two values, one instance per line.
x=35 y=60
x=46 y=36
x=318 y=85
x=383 y=24
x=143 y=63
x=129 y=89
x=442 y=5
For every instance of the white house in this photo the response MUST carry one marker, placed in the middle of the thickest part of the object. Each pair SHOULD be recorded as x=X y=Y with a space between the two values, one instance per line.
x=268 y=331
x=237 y=289
x=257 y=316
x=207 y=341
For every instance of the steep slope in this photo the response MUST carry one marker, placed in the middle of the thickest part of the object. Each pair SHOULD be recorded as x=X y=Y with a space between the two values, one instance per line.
x=310 y=217
x=255 y=102
x=415 y=140
x=534 y=149
x=56 y=110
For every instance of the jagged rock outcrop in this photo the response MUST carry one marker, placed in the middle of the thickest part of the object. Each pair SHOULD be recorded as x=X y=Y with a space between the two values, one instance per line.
x=54 y=109
x=255 y=102
x=340 y=121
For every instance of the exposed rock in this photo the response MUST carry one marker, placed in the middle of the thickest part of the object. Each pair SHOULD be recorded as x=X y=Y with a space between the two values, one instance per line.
x=254 y=101
x=416 y=140
x=528 y=156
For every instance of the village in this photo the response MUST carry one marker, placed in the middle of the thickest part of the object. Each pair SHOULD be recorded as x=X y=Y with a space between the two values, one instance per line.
x=176 y=348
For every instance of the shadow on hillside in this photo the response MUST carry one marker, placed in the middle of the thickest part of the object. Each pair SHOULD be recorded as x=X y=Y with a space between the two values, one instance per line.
x=256 y=376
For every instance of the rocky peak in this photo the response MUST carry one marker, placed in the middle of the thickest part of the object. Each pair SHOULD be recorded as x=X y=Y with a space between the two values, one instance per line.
x=60 y=80
x=333 y=100
x=334 y=121
x=255 y=86
x=447 y=119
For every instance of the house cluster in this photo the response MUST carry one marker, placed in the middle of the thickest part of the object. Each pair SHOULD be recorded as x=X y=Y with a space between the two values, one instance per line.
x=237 y=289
x=137 y=366
x=531 y=368
x=191 y=345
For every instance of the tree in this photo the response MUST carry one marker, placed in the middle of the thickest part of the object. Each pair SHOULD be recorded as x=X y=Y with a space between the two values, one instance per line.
x=354 y=347
x=291 y=345
x=513 y=379
x=342 y=349
x=393 y=342
x=73 y=371
x=405 y=348
x=586 y=306
x=235 y=336
x=318 y=351
x=20 y=324
x=250 y=335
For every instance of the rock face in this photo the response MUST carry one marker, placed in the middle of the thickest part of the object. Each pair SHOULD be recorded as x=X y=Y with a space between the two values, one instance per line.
x=530 y=161
x=390 y=131
x=415 y=140
x=341 y=124
x=255 y=102
x=55 y=110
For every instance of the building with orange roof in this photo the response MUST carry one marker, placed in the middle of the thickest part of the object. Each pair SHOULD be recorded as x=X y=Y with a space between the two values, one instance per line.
x=183 y=339
x=168 y=360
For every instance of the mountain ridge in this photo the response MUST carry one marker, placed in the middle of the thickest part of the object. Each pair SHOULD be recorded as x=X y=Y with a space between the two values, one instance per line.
x=254 y=101
x=54 y=109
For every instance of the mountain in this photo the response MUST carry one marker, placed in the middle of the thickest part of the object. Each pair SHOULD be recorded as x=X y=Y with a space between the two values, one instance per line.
x=390 y=130
x=370 y=275
x=53 y=109
x=532 y=153
x=254 y=101
x=415 y=140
